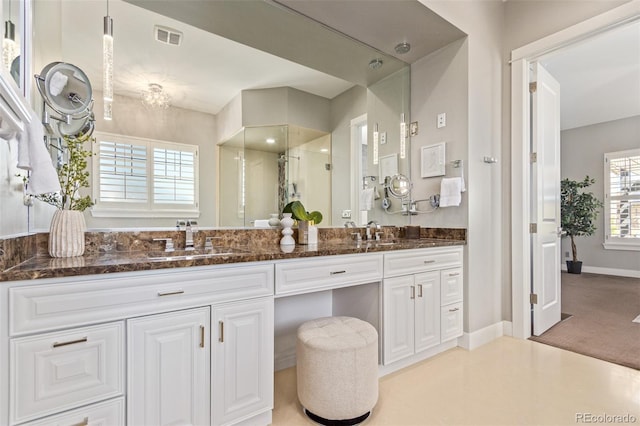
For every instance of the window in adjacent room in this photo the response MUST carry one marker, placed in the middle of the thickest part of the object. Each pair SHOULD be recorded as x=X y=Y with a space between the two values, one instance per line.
x=622 y=200
x=134 y=177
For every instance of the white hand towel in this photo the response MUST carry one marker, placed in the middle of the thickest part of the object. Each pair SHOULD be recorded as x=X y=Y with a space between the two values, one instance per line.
x=57 y=83
x=450 y=189
x=34 y=156
x=366 y=199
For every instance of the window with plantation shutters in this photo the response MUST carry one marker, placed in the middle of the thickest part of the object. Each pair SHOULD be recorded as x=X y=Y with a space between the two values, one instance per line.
x=622 y=200
x=135 y=177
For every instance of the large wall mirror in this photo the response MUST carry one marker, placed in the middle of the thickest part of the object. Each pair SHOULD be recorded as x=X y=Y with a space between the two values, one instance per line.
x=342 y=97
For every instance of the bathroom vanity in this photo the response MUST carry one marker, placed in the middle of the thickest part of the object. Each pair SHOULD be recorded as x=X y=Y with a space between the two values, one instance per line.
x=196 y=343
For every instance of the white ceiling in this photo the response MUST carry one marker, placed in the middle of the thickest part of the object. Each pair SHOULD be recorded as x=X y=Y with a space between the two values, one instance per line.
x=599 y=77
x=202 y=74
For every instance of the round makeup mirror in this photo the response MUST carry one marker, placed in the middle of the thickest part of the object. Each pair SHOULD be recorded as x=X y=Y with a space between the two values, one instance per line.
x=399 y=186
x=66 y=89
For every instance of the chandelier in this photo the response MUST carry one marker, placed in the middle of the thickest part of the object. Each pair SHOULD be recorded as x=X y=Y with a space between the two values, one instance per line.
x=155 y=97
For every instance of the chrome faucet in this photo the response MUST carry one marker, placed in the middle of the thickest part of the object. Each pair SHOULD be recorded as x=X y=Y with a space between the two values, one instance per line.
x=189 y=230
x=376 y=226
x=350 y=224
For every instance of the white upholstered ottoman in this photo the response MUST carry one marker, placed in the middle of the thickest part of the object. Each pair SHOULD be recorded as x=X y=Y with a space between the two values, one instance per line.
x=337 y=369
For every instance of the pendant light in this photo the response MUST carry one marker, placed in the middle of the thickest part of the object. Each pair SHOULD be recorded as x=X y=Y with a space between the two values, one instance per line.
x=10 y=48
x=107 y=65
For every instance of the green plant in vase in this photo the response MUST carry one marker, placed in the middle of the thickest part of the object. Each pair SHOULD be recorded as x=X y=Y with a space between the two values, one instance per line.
x=66 y=235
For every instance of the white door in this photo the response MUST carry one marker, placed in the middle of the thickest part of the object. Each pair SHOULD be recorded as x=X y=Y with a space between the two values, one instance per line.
x=242 y=360
x=398 y=317
x=545 y=200
x=427 y=310
x=169 y=369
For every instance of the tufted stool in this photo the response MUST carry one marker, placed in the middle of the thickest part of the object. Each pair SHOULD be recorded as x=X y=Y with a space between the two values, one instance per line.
x=337 y=369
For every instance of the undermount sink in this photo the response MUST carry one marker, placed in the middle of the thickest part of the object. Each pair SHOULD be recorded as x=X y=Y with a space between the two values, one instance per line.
x=193 y=254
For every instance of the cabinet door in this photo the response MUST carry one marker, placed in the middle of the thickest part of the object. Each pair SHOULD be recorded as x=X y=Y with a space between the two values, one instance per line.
x=169 y=375
x=398 y=318
x=427 y=315
x=242 y=360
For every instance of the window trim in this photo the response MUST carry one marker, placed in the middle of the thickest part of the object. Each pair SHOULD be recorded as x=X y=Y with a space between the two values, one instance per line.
x=146 y=209
x=615 y=243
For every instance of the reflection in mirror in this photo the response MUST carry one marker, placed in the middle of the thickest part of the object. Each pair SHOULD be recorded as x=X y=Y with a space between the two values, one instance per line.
x=11 y=42
x=194 y=74
x=264 y=168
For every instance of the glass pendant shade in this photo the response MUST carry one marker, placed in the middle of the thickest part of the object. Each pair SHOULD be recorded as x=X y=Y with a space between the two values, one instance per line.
x=107 y=66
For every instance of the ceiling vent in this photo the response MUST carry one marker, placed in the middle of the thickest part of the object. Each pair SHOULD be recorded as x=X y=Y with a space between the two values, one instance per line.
x=168 y=35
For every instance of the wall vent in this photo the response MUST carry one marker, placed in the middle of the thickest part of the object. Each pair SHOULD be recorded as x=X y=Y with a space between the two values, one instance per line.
x=167 y=35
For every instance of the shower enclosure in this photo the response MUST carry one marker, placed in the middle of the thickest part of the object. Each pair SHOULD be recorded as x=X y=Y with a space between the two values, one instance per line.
x=261 y=169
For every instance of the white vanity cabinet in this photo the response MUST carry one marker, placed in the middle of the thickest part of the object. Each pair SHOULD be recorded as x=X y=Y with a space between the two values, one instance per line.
x=146 y=339
x=422 y=301
x=168 y=362
x=242 y=346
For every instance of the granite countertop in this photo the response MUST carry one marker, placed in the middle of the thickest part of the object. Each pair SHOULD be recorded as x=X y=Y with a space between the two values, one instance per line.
x=47 y=267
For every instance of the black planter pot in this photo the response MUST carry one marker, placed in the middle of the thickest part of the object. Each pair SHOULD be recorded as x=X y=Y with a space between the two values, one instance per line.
x=574 y=267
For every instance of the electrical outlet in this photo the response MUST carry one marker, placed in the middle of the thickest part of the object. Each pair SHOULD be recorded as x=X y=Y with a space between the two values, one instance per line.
x=566 y=254
x=346 y=214
x=383 y=138
x=442 y=120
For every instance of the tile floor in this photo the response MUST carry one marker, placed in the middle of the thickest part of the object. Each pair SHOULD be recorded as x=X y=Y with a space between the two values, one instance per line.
x=506 y=382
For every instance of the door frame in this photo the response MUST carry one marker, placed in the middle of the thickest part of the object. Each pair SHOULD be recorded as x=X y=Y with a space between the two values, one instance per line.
x=520 y=134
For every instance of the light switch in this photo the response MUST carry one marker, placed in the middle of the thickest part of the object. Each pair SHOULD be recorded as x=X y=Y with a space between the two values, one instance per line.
x=442 y=120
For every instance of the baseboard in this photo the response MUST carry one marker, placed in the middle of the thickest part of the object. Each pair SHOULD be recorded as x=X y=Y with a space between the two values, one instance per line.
x=383 y=370
x=507 y=328
x=283 y=361
x=471 y=341
x=607 y=271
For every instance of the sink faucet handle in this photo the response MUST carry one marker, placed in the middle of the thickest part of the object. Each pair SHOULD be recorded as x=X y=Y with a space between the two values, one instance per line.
x=208 y=243
x=168 y=245
x=358 y=237
x=378 y=236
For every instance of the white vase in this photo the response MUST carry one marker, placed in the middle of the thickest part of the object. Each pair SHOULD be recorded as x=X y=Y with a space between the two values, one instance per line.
x=66 y=235
x=287 y=223
x=274 y=220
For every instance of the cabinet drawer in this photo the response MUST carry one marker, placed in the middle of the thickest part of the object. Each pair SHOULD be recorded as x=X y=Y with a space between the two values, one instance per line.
x=450 y=321
x=58 y=371
x=450 y=286
x=415 y=261
x=109 y=413
x=63 y=303
x=329 y=272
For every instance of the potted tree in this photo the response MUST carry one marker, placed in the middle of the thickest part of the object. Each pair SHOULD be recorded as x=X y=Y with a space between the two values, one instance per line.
x=578 y=212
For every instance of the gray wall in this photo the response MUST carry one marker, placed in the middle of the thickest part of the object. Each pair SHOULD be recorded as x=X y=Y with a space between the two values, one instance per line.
x=583 y=150
x=439 y=85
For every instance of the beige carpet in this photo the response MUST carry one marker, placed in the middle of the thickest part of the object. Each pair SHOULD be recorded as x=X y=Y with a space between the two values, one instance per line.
x=602 y=309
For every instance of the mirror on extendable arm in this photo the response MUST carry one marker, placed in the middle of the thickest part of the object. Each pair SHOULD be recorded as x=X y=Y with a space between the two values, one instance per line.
x=66 y=89
x=399 y=186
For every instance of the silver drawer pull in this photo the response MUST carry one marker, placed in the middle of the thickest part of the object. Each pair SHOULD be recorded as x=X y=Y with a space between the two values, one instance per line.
x=337 y=272
x=221 y=326
x=413 y=292
x=72 y=342
x=454 y=309
x=84 y=422
x=170 y=293
x=429 y=261
x=454 y=274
